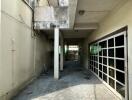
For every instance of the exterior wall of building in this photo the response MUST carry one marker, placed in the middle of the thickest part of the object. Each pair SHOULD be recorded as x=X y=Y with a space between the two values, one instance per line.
x=118 y=18
x=43 y=54
x=43 y=3
x=22 y=55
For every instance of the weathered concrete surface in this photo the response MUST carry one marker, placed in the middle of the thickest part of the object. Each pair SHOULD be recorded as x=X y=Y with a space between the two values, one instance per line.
x=72 y=86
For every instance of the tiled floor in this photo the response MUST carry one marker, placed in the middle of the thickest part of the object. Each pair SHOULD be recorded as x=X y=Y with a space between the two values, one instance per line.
x=73 y=85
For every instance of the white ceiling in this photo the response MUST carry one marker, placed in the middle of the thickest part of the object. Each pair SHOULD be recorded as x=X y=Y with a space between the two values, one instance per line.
x=76 y=33
x=95 y=10
x=90 y=17
x=68 y=33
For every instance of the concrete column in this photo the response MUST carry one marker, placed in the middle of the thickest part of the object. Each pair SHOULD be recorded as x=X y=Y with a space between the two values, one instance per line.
x=62 y=52
x=56 y=53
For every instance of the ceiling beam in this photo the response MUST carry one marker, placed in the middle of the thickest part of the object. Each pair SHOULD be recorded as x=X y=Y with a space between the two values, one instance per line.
x=72 y=12
x=86 y=26
x=53 y=3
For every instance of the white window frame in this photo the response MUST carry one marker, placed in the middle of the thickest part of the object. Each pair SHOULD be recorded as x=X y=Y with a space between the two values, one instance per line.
x=108 y=76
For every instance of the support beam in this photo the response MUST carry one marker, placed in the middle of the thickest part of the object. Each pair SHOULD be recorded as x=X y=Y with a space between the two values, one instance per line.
x=56 y=53
x=86 y=26
x=62 y=51
x=72 y=12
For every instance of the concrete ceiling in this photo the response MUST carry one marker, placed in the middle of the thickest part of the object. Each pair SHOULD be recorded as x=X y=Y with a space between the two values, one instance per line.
x=72 y=6
x=94 y=12
x=68 y=33
x=76 y=33
x=73 y=41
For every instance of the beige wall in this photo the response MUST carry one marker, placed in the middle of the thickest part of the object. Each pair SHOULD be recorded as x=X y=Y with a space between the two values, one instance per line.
x=43 y=3
x=21 y=54
x=42 y=54
x=120 y=17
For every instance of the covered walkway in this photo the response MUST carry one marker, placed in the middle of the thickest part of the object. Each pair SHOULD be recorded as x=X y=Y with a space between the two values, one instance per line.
x=66 y=50
x=75 y=84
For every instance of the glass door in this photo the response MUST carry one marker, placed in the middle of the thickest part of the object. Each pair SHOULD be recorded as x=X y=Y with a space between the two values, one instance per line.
x=108 y=60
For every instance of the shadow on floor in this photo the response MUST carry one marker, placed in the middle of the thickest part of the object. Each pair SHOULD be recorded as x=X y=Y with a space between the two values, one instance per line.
x=75 y=83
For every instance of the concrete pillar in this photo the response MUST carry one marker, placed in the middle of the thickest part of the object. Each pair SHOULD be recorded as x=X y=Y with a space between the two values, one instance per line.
x=56 y=53
x=61 y=52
